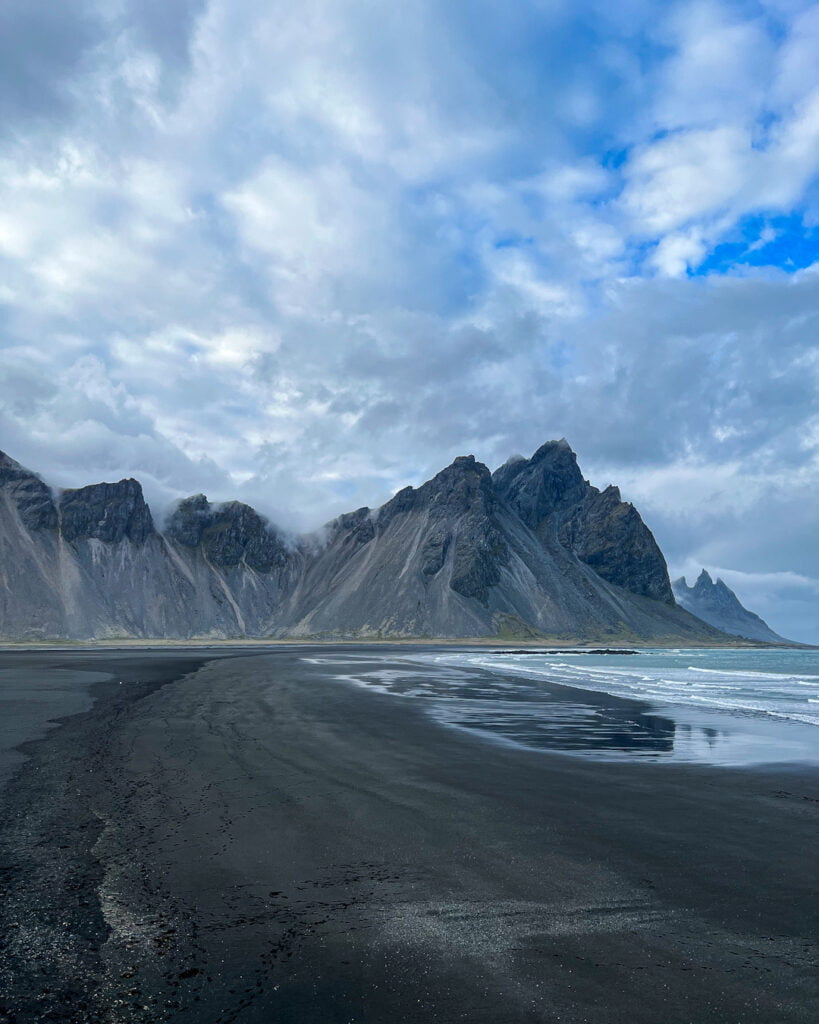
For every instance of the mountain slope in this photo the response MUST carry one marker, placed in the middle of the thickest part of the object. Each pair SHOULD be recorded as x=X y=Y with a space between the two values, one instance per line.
x=718 y=605
x=534 y=549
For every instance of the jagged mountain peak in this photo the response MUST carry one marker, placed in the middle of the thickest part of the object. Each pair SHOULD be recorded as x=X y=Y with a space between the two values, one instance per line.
x=198 y=501
x=11 y=470
x=463 y=484
x=463 y=481
x=461 y=467
x=553 y=499
x=106 y=511
x=360 y=524
x=32 y=498
x=8 y=463
x=714 y=590
x=542 y=485
x=706 y=584
x=715 y=603
x=228 y=533
x=554 y=449
x=188 y=519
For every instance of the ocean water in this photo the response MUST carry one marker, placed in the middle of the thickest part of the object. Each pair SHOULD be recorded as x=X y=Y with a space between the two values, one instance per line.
x=772 y=682
x=723 y=707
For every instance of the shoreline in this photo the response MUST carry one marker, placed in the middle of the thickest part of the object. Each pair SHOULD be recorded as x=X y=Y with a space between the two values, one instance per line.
x=238 y=838
x=205 y=643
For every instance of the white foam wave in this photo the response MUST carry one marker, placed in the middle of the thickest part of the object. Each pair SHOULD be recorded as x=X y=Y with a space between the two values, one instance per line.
x=750 y=673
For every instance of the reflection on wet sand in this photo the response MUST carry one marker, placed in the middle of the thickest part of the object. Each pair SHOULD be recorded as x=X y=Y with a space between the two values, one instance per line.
x=524 y=711
x=562 y=725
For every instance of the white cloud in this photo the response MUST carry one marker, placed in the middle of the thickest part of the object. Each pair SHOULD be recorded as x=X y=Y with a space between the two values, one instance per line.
x=677 y=252
x=691 y=174
x=317 y=228
x=784 y=170
x=736 y=132
x=718 y=73
x=796 y=72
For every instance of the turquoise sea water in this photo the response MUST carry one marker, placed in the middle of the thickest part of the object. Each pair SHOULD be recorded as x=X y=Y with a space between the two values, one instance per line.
x=726 y=707
x=771 y=682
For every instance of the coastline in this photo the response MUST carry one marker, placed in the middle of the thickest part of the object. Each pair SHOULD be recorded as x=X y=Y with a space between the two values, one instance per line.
x=219 y=643
x=239 y=837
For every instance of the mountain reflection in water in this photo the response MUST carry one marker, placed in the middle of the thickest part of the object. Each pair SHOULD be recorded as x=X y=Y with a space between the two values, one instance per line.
x=523 y=711
x=563 y=725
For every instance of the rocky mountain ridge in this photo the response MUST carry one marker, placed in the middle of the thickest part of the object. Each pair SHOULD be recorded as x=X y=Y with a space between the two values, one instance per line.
x=532 y=549
x=550 y=495
x=716 y=604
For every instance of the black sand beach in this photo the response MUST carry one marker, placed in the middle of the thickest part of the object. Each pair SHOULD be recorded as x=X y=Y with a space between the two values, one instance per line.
x=236 y=836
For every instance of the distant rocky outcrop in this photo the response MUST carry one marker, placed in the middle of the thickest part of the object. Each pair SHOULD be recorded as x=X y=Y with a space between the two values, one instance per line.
x=531 y=550
x=718 y=605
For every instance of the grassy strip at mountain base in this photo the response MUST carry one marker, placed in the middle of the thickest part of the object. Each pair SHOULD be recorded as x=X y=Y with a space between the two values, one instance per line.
x=500 y=639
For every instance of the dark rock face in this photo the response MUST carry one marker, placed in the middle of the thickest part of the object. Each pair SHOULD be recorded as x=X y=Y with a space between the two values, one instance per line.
x=718 y=605
x=429 y=562
x=188 y=520
x=545 y=486
x=460 y=504
x=402 y=501
x=107 y=512
x=227 y=534
x=33 y=499
x=549 y=494
x=358 y=525
x=463 y=494
x=434 y=552
x=609 y=535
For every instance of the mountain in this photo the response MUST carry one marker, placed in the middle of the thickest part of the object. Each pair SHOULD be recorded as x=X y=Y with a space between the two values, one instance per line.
x=718 y=605
x=532 y=549
x=551 y=497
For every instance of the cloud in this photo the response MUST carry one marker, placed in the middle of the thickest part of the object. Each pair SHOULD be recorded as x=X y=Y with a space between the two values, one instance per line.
x=685 y=176
x=43 y=47
x=716 y=72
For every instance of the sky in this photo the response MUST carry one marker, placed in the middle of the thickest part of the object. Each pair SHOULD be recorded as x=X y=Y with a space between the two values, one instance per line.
x=306 y=254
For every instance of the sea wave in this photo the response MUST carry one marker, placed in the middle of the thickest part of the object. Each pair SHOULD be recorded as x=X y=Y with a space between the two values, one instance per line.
x=744 y=687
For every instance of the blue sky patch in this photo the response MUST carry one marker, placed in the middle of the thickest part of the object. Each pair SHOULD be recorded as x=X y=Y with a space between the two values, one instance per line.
x=781 y=242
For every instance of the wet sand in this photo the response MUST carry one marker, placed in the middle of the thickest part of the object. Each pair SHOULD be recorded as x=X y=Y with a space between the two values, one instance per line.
x=243 y=838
